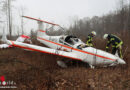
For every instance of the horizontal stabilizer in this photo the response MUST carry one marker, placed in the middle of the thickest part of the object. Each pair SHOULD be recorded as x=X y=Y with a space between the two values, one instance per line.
x=40 y=20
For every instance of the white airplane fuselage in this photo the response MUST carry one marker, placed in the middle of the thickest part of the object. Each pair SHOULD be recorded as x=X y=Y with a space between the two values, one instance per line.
x=90 y=55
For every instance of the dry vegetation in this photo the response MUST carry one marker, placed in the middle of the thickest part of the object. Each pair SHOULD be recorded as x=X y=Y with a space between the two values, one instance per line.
x=39 y=71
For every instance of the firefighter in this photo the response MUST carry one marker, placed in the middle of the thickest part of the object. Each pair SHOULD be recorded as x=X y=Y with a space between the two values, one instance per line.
x=116 y=43
x=90 y=39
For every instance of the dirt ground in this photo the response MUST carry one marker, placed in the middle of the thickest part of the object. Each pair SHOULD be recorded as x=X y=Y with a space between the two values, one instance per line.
x=39 y=71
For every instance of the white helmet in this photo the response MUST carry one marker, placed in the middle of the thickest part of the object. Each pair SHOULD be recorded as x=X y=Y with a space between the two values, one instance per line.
x=94 y=33
x=105 y=36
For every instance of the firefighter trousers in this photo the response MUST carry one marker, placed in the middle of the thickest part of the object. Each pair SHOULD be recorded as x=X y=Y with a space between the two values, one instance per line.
x=119 y=50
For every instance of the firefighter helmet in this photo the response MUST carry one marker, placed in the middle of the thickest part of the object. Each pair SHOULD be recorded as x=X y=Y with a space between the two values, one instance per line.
x=105 y=36
x=94 y=33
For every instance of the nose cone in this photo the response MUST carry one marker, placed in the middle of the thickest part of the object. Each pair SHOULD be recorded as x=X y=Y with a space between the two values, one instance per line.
x=121 y=61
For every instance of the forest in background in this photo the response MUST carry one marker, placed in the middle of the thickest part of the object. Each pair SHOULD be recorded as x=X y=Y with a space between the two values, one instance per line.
x=117 y=21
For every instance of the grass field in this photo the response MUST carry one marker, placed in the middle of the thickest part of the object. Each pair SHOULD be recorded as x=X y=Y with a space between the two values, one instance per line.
x=39 y=71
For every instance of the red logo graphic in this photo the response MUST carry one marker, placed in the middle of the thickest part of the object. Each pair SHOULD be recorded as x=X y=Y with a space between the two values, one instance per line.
x=2 y=79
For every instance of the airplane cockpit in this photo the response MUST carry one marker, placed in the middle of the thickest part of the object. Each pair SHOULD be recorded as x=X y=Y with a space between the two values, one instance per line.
x=71 y=41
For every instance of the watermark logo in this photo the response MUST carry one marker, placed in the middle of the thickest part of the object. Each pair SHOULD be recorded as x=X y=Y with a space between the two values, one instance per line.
x=7 y=84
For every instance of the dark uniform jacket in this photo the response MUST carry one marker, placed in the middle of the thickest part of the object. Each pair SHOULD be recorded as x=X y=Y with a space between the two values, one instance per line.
x=89 y=40
x=114 y=40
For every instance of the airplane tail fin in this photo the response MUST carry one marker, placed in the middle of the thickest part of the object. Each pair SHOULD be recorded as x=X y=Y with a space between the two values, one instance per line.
x=41 y=32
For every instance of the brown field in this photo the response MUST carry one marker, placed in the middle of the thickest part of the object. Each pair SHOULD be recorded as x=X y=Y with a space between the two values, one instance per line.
x=39 y=71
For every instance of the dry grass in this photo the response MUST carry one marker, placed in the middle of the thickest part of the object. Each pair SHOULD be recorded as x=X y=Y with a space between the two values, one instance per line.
x=39 y=71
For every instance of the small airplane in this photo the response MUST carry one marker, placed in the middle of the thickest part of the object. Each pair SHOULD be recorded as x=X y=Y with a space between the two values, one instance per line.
x=68 y=47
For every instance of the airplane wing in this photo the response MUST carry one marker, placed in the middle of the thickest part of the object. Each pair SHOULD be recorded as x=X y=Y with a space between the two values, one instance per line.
x=71 y=55
x=22 y=38
x=5 y=46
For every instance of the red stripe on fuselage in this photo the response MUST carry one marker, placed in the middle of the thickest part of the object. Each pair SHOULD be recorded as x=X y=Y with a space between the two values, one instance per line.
x=76 y=49
x=24 y=36
x=42 y=30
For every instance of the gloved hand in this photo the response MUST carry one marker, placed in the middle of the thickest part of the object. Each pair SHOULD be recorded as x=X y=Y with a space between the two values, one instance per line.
x=120 y=47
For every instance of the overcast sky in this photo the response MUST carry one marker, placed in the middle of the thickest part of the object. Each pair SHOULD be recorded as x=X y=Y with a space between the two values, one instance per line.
x=62 y=11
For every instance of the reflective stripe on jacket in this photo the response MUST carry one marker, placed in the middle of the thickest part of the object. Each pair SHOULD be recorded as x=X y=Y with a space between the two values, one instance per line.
x=89 y=40
x=114 y=41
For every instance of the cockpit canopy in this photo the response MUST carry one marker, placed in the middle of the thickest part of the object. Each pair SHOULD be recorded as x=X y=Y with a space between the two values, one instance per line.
x=70 y=40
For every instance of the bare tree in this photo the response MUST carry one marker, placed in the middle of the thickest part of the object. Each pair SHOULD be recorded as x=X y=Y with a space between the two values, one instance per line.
x=9 y=17
x=7 y=9
x=129 y=16
x=114 y=22
x=22 y=12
